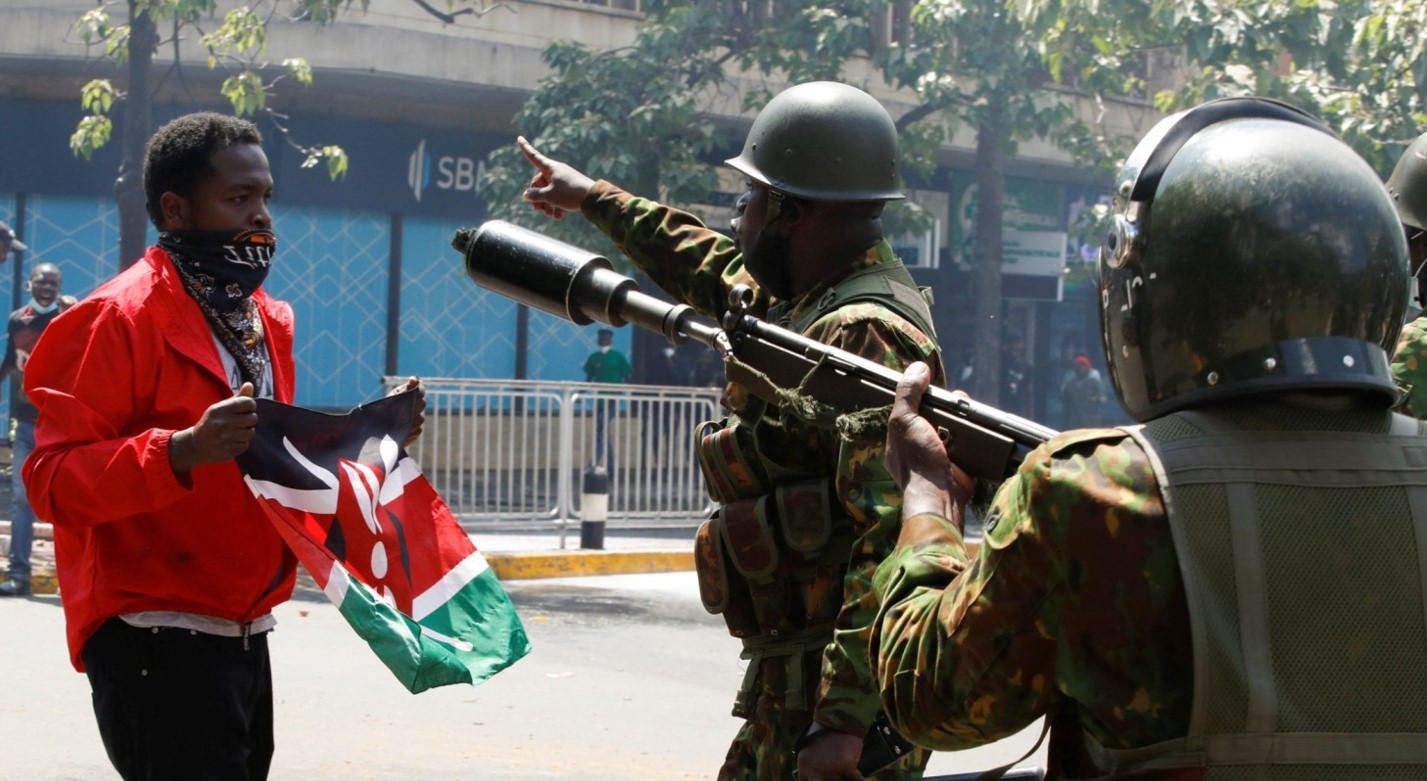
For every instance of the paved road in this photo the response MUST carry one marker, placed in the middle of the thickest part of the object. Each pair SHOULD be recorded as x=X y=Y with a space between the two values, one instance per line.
x=629 y=680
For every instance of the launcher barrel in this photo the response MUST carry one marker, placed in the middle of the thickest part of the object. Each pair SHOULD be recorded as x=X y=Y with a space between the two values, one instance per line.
x=568 y=282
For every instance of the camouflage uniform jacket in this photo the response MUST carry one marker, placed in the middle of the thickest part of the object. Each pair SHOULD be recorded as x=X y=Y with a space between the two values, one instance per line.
x=1409 y=369
x=1073 y=604
x=1074 y=595
x=699 y=265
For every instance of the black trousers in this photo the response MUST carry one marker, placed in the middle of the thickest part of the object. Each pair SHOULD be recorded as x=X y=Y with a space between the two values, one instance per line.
x=174 y=704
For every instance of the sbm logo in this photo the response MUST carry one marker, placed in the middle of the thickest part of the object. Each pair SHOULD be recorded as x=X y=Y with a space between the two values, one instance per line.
x=461 y=174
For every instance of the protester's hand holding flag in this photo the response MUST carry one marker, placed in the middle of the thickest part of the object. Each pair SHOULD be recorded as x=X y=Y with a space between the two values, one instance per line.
x=380 y=542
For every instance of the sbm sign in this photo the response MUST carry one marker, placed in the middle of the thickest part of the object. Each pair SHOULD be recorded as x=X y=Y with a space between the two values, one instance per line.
x=453 y=173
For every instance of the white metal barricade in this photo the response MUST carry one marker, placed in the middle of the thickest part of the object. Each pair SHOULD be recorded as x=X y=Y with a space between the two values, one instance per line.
x=511 y=453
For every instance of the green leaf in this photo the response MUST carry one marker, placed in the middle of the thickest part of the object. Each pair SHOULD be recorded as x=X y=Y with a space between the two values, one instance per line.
x=97 y=97
x=245 y=92
x=92 y=133
x=243 y=32
x=94 y=26
x=336 y=161
x=335 y=156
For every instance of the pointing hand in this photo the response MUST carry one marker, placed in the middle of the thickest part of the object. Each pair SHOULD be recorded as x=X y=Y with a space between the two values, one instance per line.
x=556 y=187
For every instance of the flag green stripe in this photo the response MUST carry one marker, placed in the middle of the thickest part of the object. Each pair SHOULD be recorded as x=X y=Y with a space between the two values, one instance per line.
x=479 y=617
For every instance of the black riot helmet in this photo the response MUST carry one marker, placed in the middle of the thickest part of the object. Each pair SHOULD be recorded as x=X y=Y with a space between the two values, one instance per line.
x=823 y=141
x=1408 y=188
x=1251 y=251
x=1408 y=184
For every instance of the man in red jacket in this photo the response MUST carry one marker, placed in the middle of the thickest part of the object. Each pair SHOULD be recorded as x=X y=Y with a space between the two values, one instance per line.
x=168 y=567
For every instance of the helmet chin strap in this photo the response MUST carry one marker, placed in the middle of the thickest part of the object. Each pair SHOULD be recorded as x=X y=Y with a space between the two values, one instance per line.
x=775 y=206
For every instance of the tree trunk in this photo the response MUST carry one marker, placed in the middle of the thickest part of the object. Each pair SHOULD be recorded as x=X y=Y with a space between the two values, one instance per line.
x=129 y=187
x=986 y=281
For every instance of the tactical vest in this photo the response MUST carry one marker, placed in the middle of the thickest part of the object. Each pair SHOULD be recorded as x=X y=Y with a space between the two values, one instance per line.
x=772 y=558
x=1304 y=559
x=887 y=283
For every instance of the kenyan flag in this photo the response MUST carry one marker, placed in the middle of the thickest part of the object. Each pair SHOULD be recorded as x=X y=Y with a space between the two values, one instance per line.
x=381 y=542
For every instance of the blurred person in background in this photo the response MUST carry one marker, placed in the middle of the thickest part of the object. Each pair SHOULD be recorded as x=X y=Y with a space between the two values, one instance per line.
x=26 y=325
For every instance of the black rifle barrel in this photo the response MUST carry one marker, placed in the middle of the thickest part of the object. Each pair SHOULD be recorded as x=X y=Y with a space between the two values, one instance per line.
x=569 y=282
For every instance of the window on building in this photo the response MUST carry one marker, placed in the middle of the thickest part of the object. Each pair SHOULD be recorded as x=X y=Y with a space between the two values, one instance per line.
x=924 y=250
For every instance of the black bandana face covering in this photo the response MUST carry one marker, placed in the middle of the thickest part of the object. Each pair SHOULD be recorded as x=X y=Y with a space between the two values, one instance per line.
x=230 y=265
x=221 y=269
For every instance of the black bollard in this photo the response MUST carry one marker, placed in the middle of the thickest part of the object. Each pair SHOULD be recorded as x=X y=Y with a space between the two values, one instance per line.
x=594 y=507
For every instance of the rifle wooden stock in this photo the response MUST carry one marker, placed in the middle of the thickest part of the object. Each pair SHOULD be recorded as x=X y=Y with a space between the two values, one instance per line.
x=552 y=276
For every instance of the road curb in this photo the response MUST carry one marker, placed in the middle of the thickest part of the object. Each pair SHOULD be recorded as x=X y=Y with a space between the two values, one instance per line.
x=44 y=582
x=524 y=566
x=534 y=565
x=561 y=564
x=573 y=563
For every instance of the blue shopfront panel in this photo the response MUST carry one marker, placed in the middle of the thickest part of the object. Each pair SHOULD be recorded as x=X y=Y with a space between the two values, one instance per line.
x=77 y=233
x=449 y=326
x=332 y=267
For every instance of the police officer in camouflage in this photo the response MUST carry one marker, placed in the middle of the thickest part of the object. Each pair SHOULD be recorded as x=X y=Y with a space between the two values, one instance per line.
x=1233 y=588
x=1408 y=186
x=804 y=516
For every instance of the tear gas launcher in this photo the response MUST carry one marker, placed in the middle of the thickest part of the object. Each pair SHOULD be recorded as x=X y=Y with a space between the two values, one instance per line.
x=776 y=364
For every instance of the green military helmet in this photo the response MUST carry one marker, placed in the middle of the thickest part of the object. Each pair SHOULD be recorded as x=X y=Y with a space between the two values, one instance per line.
x=1408 y=184
x=823 y=141
x=1252 y=251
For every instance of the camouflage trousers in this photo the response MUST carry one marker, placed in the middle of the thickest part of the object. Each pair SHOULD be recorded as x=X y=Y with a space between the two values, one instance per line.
x=763 y=748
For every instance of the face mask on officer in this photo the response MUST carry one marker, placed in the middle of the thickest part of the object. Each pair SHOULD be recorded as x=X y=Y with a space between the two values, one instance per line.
x=763 y=237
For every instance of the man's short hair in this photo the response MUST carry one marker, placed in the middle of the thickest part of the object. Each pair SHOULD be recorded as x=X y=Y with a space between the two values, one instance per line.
x=179 y=155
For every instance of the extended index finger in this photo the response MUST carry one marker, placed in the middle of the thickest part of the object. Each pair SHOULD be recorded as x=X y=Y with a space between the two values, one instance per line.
x=532 y=154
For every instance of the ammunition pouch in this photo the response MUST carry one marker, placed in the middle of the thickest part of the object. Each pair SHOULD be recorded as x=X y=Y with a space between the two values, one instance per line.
x=773 y=566
x=733 y=463
x=736 y=556
x=722 y=588
x=748 y=535
x=805 y=513
x=711 y=566
x=724 y=450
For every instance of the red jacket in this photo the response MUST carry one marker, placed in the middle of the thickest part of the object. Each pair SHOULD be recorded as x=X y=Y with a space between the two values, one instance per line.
x=114 y=377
